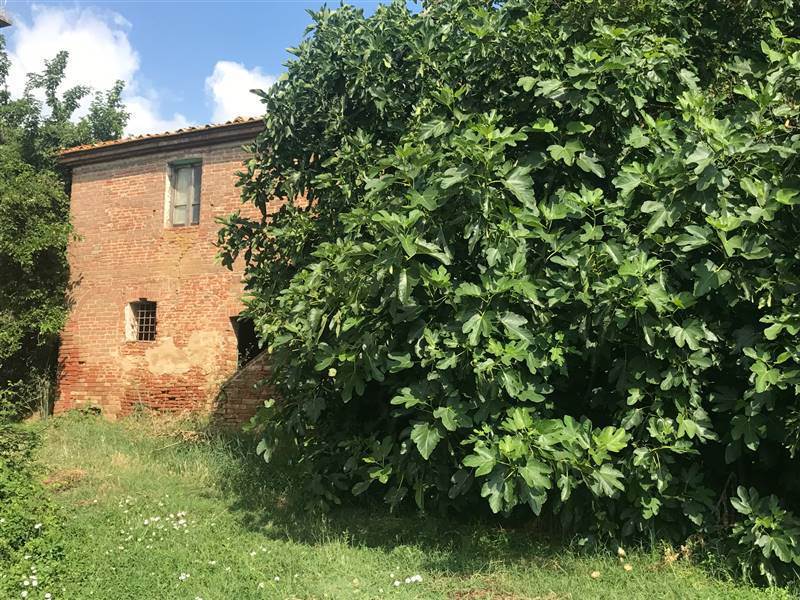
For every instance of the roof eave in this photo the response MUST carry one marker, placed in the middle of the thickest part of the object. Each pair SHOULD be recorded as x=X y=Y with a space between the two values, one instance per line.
x=180 y=140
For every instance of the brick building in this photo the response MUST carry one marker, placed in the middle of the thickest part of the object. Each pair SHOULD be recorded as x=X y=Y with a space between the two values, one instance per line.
x=154 y=316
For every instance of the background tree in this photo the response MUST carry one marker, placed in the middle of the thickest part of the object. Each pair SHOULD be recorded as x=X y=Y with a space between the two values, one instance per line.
x=34 y=220
x=541 y=255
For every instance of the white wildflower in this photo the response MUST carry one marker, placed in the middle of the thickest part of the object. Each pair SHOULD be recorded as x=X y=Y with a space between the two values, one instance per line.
x=37 y=526
x=277 y=578
x=183 y=576
x=396 y=583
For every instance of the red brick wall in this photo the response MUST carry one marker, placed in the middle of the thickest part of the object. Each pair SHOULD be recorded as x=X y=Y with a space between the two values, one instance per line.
x=125 y=252
x=243 y=393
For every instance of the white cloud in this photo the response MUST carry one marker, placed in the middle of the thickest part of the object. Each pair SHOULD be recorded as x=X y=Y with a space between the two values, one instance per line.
x=100 y=53
x=229 y=87
x=145 y=116
x=99 y=50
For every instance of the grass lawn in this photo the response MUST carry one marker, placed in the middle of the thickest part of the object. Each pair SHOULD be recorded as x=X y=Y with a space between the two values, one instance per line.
x=151 y=512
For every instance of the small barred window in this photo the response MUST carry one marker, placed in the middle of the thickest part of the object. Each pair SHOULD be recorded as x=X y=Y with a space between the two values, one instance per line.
x=140 y=321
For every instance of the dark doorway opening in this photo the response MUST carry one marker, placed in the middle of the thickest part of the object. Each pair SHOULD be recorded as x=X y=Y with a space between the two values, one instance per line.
x=246 y=339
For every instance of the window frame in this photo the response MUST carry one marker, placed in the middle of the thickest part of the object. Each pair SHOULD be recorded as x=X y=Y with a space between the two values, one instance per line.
x=193 y=205
x=134 y=311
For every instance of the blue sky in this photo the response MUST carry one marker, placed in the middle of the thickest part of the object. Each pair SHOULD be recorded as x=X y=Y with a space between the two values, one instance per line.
x=185 y=62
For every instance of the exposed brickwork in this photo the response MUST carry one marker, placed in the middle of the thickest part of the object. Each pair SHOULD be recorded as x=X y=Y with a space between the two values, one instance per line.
x=243 y=393
x=124 y=252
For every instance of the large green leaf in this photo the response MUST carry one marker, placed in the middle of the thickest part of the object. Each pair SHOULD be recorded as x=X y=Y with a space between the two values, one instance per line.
x=515 y=325
x=536 y=474
x=521 y=185
x=689 y=333
x=426 y=437
x=589 y=163
x=448 y=416
x=567 y=152
x=627 y=181
x=454 y=175
x=708 y=277
x=606 y=481
x=483 y=460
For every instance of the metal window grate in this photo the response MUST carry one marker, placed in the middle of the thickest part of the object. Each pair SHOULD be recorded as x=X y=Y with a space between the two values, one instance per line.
x=145 y=314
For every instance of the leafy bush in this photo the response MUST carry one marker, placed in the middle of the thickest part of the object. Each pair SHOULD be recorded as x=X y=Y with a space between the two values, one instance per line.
x=539 y=253
x=31 y=545
x=766 y=530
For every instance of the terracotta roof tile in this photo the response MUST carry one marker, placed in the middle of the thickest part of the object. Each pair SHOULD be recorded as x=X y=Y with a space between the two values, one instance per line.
x=165 y=134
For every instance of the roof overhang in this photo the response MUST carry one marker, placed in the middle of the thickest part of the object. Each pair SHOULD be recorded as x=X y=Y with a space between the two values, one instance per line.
x=210 y=135
x=5 y=20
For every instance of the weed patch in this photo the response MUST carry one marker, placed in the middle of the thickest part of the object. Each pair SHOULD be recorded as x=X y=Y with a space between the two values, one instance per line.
x=31 y=542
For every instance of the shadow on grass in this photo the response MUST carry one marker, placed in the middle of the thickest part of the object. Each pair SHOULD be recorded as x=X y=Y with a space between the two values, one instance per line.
x=270 y=499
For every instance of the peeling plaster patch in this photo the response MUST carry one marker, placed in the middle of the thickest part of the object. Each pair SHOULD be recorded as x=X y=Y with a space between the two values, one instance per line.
x=126 y=363
x=205 y=348
x=167 y=359
x=202 y=351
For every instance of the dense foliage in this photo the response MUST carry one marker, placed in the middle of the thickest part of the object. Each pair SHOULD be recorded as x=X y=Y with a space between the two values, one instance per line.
x=34 y=221
x=541 y=253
